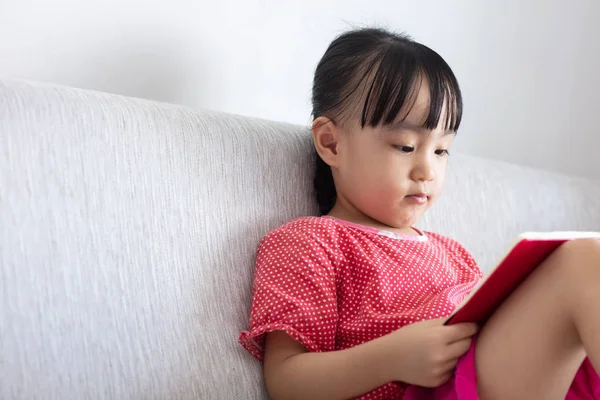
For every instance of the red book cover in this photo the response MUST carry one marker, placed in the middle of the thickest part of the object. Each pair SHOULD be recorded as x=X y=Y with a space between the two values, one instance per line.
x=529 y=251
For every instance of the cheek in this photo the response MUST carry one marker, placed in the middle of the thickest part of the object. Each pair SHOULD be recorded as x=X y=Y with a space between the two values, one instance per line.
x=361 y=162
x=376 y=170
x=440 y=177
x=393 y=170
x=380 y=179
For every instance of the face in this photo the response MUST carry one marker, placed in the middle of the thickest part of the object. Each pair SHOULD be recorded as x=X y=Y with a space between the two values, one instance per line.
x=392 y=174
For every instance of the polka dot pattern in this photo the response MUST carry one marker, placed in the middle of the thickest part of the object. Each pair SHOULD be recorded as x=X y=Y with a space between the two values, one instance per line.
x=332 y=285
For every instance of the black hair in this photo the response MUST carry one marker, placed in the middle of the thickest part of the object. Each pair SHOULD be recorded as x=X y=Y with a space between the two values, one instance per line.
x=377 y=74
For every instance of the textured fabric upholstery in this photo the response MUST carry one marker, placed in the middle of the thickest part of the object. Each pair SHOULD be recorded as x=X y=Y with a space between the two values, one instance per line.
x=128 y=232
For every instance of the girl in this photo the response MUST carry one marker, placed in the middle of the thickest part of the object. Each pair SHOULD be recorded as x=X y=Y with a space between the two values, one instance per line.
x=353 y=303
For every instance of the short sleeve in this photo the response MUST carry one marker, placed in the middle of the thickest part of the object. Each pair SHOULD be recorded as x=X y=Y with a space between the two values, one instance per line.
x=294 y=291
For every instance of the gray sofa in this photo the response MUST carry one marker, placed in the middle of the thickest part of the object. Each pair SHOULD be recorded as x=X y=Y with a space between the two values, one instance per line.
x=129 y=227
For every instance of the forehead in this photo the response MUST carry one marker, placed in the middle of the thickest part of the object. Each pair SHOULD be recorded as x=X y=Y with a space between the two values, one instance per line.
x=414 y=118
x=404 y=127
x=419 y=110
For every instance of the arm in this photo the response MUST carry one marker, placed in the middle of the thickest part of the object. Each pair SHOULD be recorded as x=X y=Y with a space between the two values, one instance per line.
x=424 y=353
x=293 y=373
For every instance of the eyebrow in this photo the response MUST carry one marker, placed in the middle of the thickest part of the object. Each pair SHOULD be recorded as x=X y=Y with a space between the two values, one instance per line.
x=405 y=125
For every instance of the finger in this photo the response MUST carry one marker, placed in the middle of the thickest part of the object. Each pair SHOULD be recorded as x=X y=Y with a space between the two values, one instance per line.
x=459 y=348
x=450 y=366
x=444 y=379
x=436 y=321
x=461 y=331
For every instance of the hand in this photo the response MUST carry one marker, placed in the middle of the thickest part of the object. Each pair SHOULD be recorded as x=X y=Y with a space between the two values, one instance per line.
x=426 y=353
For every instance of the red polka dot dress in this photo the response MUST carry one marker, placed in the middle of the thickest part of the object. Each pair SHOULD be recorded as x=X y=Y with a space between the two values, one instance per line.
x=331 y=285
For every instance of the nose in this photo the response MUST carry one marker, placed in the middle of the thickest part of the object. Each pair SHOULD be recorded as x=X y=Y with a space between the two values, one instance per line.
x=423 y=170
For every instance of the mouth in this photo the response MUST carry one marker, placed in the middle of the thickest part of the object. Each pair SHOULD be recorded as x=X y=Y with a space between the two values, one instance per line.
x=418 y=198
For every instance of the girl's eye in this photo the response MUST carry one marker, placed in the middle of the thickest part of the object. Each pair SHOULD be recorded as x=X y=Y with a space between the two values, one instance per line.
x=406 y=149
x=442 y=152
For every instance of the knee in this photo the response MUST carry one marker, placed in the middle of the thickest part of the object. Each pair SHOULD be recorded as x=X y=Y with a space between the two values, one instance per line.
x=576 y=274
x=582 y=247
x=580 y=256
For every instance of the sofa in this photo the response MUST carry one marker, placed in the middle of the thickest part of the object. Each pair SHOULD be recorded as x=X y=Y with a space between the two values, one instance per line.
x=129 y=229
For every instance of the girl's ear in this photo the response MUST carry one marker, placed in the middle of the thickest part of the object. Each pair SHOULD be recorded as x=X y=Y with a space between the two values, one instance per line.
x=326 y=139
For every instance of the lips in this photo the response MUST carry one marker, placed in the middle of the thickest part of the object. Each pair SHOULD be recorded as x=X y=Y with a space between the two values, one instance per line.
x=419 y=198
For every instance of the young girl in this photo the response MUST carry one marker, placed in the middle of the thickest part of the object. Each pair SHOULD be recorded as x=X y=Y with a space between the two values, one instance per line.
x=352 y=303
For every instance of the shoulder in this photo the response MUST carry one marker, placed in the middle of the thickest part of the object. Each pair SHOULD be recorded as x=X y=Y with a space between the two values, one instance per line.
x=442 y=240
x=320 y=231
x=301 y=240
x=309 y=225
x=450 y=245
x=301 y=247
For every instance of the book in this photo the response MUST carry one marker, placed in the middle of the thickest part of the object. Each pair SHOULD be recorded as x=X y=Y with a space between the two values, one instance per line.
x=527 y=251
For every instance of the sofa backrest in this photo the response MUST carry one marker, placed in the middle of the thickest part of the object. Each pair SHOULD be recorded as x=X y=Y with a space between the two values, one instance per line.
x=129 y=228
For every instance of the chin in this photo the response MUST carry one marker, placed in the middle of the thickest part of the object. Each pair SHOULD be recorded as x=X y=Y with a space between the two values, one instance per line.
x=396 y=217
x=400 y=222
x=405 y=221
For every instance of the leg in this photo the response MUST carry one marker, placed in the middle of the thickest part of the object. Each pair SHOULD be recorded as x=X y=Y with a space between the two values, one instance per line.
x=533 y=345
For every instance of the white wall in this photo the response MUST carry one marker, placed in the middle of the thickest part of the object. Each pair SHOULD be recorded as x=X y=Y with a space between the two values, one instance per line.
x=529 y=69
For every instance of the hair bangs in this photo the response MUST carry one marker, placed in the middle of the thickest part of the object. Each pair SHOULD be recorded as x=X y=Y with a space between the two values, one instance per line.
x=395 y=84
